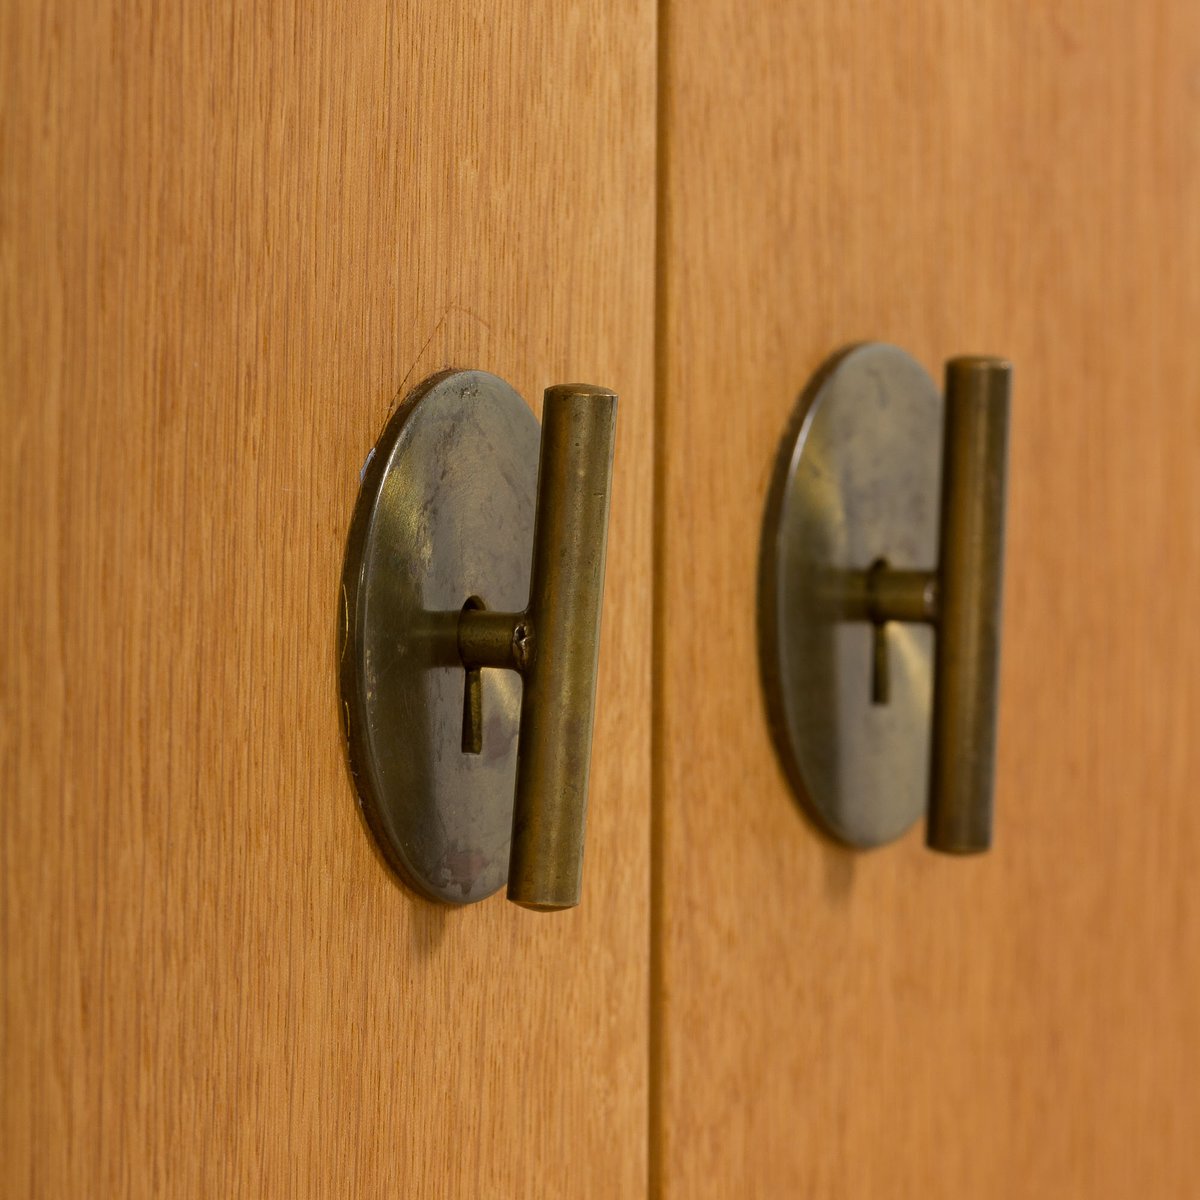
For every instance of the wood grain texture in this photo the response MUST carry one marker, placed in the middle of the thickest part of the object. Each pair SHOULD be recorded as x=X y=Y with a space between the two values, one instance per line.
x=233 y=235
x=952 y=177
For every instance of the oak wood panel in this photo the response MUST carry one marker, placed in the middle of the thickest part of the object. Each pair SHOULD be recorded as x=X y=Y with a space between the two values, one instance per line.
x=233 y=235
x=1004 y=177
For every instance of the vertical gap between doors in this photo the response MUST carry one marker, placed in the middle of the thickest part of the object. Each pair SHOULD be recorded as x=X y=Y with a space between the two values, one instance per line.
x=656 y=1148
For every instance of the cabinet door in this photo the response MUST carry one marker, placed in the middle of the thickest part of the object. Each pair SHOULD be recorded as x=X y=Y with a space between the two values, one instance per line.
x=234 y=234
x=1001 y=177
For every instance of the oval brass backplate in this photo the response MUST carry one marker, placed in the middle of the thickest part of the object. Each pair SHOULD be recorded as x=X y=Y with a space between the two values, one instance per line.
x=857 y=481
x=445 y=513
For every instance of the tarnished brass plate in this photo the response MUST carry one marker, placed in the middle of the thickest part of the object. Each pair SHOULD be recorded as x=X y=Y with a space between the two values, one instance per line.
x=445 y=513
x=857 y=480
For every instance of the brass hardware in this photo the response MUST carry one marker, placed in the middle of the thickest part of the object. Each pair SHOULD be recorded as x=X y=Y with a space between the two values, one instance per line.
x=446 y=527
x=968 y=627
x=880 y=609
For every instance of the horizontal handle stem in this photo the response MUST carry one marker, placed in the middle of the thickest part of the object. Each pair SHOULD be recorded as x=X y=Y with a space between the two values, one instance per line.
x=493 y=639
x=881 y=594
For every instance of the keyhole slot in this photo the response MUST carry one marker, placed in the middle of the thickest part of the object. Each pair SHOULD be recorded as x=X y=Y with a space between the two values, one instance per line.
x=472 y=718
x=881 y=681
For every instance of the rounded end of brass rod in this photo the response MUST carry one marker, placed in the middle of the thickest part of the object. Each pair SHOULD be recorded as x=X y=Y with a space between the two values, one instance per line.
x=957 y=849
x=548 y=883
x=550 y=906
x=565 y=391
x=985 y=363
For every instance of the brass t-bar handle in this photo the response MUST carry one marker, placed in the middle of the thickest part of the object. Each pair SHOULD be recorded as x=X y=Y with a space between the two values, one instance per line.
x=853 y=535
x=970 y=571
x=466 y=504
x=962 y=600
x=554 y=645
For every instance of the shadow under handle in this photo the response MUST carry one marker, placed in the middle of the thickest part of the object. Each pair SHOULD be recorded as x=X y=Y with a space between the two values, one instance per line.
x=966 y=675
x=565 y=592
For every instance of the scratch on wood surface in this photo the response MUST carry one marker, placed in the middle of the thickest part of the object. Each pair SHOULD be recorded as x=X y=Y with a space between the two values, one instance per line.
x=450 y=308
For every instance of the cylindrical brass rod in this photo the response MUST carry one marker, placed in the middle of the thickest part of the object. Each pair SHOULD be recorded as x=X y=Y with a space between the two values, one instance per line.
x=491 y=639
x=901 y=595
x=968 y=638
x=880 y=593
x=566 y=588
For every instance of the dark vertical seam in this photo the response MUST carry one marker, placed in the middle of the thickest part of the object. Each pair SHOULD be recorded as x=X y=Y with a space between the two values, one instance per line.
x=656 y=1149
